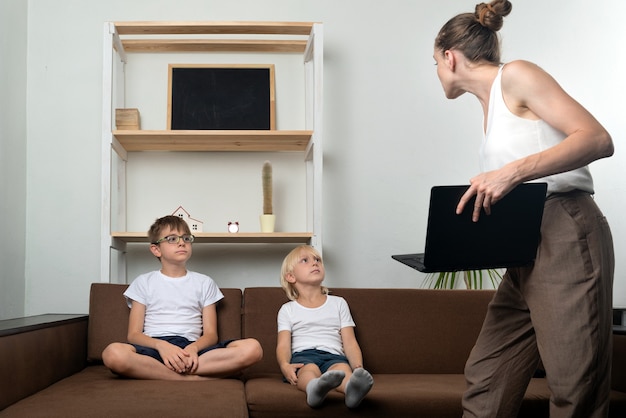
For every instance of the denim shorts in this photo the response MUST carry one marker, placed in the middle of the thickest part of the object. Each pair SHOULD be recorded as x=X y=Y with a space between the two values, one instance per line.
x=321 y=359
x=178 y=341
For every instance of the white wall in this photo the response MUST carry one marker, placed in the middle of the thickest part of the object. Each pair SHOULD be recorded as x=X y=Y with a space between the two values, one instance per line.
x=389 y=132
x=12 y=156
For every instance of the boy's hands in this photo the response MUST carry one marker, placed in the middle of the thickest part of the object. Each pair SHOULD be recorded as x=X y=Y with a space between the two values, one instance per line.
x=192 y=358
x=289 y=371
x=176 y=358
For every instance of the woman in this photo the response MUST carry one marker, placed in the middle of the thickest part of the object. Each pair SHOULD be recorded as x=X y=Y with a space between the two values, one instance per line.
x=558 y=309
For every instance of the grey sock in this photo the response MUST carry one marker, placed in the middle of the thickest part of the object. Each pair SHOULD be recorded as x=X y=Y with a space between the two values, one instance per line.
x=358 y=386
x=317 y=389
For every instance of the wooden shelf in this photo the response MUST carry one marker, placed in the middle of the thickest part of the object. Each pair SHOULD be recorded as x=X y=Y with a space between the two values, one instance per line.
x=147 y=140
x=213 y=28
x=212 y=45
x=229 y=238
x=296 y=31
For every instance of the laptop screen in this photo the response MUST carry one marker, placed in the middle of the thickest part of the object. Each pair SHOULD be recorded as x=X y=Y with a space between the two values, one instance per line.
x=508 y=236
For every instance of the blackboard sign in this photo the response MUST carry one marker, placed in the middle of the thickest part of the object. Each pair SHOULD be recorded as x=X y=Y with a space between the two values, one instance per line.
x=239 y=97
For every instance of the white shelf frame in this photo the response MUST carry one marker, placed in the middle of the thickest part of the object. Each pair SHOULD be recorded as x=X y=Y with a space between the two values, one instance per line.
x=114 y=243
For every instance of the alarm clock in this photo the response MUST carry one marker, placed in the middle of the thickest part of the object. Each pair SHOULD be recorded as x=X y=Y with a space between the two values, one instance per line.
x=233 y=226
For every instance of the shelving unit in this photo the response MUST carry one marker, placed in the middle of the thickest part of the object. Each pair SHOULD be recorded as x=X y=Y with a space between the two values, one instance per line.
x=122 y=38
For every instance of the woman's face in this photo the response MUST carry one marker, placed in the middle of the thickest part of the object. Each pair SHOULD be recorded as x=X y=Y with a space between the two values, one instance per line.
x=445 y=73
x=442 y=68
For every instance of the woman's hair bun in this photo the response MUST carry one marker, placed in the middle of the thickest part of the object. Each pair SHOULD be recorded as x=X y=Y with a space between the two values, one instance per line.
x=490 y=15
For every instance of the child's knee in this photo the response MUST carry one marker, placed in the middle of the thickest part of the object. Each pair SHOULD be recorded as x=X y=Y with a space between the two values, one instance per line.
x=108 y=353
x=254 y=351
x=113 y=355
x=248 y=351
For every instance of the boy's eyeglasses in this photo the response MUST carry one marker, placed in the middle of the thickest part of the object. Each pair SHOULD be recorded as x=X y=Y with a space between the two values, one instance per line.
x=173 y=239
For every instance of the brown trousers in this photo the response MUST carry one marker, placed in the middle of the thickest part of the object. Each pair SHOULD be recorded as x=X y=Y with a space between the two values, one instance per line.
x=559 y=311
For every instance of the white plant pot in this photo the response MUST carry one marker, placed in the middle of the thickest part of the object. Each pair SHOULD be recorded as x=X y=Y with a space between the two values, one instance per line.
x=267 y=223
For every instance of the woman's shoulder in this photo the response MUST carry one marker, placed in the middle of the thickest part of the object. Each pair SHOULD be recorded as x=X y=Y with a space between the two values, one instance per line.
x=522 y=71
x=518 y=62
x=524 y=81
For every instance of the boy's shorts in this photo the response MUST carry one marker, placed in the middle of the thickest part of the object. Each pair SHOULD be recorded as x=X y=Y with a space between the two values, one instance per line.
x=322 y=359
x=178 y=341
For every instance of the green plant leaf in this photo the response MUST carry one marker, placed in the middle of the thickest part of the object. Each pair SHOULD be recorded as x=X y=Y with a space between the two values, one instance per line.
x=473 y=279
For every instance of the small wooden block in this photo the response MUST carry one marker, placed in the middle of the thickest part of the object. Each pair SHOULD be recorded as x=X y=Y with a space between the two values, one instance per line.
x=127 y=119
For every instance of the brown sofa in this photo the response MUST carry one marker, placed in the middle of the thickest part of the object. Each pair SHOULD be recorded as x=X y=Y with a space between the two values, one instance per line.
x=414 y=342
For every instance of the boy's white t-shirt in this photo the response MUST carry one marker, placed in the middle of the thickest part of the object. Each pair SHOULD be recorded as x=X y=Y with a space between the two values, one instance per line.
x=173 y=305
x=316 y=328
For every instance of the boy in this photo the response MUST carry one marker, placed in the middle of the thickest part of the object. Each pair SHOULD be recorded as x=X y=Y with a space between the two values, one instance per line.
x=317 y=350
x=172 y=327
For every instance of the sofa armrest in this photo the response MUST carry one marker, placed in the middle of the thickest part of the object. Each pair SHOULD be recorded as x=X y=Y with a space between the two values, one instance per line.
x=618 y=373
x=37 y=351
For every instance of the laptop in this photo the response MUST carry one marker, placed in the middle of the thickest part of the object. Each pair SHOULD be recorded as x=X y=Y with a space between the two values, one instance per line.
x=508 y=237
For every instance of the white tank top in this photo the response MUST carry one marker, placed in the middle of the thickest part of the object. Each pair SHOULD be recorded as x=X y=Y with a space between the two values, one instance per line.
x=509 y=137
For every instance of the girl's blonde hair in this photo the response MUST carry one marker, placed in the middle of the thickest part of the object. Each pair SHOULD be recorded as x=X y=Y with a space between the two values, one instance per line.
x=288 y=265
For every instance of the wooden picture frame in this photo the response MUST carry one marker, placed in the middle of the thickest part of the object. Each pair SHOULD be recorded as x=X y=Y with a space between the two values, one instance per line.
x=221 y=97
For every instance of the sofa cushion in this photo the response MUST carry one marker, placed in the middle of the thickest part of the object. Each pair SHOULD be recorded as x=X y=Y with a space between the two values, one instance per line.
x=393 y=395
x=108 y=317
x=399 y=330
x=96 y=392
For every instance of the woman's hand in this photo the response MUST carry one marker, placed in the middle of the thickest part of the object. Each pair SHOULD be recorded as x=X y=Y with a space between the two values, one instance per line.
x=488 y=188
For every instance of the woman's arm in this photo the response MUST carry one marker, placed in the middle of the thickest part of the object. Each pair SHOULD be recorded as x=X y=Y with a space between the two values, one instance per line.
x=531 y=93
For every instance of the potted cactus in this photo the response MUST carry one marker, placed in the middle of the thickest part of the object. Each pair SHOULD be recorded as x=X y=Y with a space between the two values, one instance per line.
x=267 y=219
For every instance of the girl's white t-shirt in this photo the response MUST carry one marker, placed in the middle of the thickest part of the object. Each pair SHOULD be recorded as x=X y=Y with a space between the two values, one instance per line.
x=316 y=328
x=173 y=305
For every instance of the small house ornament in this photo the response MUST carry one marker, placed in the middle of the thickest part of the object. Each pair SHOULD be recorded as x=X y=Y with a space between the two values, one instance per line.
x=195 y=225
